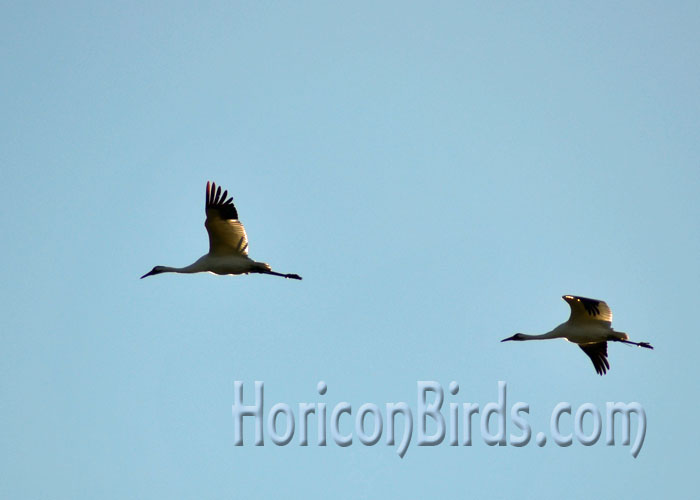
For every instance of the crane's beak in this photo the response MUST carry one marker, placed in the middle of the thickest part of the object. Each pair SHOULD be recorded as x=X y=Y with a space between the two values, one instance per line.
x=150 y=273
x=509 y=338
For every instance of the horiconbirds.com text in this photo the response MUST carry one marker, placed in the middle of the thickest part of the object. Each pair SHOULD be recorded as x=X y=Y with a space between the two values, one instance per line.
x=434 y=421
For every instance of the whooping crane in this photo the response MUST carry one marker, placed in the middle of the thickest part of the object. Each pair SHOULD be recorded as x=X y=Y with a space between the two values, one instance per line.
x=228 y=243
x=589 y=326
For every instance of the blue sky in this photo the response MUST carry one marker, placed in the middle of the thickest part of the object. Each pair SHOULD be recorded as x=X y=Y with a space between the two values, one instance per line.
x=439 y=175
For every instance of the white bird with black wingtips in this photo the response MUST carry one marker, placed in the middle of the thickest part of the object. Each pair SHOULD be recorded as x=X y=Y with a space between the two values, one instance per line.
x=228 y=243
x=589 y=326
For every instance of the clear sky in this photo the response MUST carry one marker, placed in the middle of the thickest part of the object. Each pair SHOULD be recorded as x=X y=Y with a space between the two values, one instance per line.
x=439 y=173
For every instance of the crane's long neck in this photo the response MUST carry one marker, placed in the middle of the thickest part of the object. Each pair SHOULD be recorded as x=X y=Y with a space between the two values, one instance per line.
x=544 y=336
x=192 y=268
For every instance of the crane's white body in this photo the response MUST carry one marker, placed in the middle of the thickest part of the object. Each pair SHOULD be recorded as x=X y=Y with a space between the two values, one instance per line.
x=589 y=326
x=219 y=264
x=228 y=243
x=579 y=333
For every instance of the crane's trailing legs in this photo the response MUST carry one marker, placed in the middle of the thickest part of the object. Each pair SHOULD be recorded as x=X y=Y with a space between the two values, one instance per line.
x=638 y=344
x=288 y=276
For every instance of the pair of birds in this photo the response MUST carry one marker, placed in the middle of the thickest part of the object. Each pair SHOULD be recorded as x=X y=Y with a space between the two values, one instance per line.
x=589 y=326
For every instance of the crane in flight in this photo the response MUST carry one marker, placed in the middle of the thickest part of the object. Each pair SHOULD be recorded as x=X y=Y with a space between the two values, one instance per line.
x=589 y=326
x=228 y=243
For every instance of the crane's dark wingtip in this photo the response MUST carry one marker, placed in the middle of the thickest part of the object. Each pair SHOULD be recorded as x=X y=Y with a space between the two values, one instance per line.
x=599 y=356
x=216 y=201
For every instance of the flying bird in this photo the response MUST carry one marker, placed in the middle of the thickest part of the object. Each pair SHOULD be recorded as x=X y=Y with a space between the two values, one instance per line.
x=228 y=243
x=589 y=326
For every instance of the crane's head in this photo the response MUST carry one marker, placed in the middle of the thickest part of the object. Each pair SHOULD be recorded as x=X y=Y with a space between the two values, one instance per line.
x=155 y=270
x=517 y=336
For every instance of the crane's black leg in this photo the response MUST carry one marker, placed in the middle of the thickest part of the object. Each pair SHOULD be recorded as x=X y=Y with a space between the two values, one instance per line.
x=638 y=344
x=288 y=276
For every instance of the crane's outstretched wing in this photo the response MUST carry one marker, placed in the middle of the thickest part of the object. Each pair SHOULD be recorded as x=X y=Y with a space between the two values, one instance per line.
x=226 y=233
x=583 y=309
x=599 y=355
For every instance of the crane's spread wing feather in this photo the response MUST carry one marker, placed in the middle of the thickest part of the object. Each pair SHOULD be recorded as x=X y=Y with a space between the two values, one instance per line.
x=599 y=355
x=226 y=233
x=584 y=309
